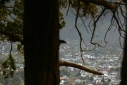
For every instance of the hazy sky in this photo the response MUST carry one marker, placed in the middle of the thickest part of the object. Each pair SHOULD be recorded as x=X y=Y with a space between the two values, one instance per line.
x=69 y=32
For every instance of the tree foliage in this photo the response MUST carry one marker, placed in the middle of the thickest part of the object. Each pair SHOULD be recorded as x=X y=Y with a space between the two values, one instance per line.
x=9 y=67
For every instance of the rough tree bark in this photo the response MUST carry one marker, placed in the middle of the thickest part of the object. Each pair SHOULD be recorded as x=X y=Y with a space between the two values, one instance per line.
x=124 y=61
x=41 y=42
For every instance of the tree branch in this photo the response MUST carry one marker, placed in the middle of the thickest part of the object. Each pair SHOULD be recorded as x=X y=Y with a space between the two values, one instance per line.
x=18 y=37
x=71 y=64
x=104 y=3
x=12 y=37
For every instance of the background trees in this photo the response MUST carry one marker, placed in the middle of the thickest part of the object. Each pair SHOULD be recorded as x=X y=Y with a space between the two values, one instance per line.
x=89 y=11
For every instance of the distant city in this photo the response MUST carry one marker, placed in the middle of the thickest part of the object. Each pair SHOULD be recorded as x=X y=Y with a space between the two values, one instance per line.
x=106 y=60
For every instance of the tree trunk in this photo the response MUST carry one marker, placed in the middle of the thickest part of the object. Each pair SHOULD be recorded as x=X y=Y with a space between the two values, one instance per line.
x=124 y=64
x=124 y=61
x=41 y=42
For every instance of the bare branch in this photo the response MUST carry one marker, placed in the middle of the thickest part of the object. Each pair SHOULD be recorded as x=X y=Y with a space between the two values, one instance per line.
x=117 y=15
x=117 y=21
x=122 y=12
x=84 y=25
x=69 y=3
x=120 y=42
x=95 y=22
x=71 y=64
x=109 y=28
x=80 y=35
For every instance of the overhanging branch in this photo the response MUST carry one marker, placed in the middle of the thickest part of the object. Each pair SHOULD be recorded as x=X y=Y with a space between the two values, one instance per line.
x=13 y=37
x=104 y=3
x=71 y=64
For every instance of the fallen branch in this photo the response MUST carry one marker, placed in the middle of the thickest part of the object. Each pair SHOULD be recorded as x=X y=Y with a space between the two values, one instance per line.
x=71 y=64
